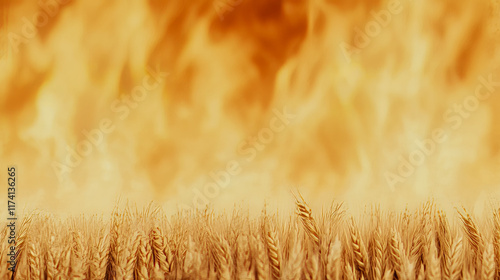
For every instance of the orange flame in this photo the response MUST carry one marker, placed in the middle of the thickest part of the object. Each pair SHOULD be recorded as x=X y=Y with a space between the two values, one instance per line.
x=227 y=100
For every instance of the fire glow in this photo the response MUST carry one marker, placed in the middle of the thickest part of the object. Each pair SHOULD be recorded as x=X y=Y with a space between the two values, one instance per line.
x=392 y=101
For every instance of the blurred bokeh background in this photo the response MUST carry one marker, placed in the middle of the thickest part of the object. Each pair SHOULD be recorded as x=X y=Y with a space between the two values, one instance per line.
x=223 y=101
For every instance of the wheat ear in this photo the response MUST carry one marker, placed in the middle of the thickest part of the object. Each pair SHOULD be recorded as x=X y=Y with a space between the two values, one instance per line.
x=159 y=246
x=434 y=270
x=261 y=260
x=359 y=249
x=145 y=258
x=312 y=267
x=131 y=259
x=78 y=257
x=221 y=255
x=453 y=266
x=488 y=268
x=273 y=252
x=333 y=267
x=191 y=265
x=377 y=254
x=496 y=239
x=52 y=260
x=100 y=258
x=396 y=252
x=34 y=261
x=473 y=235
x=115 y=245
x=309 y=223
x=444 y=242
x=349 y=272
x=295 y=261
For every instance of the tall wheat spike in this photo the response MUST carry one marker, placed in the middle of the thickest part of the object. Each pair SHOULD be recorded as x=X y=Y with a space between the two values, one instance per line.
x=312 y=267
x=100 y=258
x=496 y=239
x=65 y=263
x=472 y=233
x=34 y=261
x=263 y=248
x=377 y=254
x=295 y=262
x=159 y=246
x=397 y=257
x=453 y=267
x=421 y=274
x=417 y=247
x=359 y=250
x=145 y=257
x=21 y=238
x=261 y=260
x=488 y=269
x=78 y=256
x=310 y=226
x=221 y=255
x=333 y=268
x=131 y=260
x=434 y=266
x=191 y=266
x=273 y=251
x=444 y=242
x=115 y=244
x=349 y=272
x=52 y=260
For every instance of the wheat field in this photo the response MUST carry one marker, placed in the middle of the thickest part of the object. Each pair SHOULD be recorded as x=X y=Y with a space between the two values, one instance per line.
x=209 y=102
x=146 y=244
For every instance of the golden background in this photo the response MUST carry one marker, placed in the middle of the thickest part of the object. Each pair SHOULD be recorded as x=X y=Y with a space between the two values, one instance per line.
x=365 y=84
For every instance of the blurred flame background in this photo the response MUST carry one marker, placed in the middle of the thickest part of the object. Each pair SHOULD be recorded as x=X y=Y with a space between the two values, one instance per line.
x=230 y=64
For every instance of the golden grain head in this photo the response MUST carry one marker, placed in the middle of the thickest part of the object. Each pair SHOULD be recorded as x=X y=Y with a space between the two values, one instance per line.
x=124 y=248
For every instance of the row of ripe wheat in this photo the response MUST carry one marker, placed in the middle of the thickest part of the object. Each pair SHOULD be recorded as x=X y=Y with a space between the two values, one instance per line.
x=423 y=244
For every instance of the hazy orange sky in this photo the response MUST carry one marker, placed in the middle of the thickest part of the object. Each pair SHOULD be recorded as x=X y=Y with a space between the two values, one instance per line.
x=234 y=100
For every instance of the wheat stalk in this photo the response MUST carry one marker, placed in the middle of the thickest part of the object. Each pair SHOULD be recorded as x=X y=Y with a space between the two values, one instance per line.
x=396 y=251
x=444 y=242
x=488 y=269
x=333 y=268
x=454 y=262
x=131 y=260
x=359 y=249
x=377 y=254
x=472 y=232
x=159 y=246
x=295 y=262
x=21 y=238
x=243 y=259
x=421 y=274
x=273 y=251
x=417 y=247
x=261 y=260
x=65 y=263
x=312 y=267
x=144 y=256
x=309 y=223
x=258 y=249
x=349 y=272
x=115 y=246
x=100 y=258
x=496 y=239
x=191 y=264
x=34 y=261
x=78 y=257
x=221 y=255
x=52 y=260
x=434 y=265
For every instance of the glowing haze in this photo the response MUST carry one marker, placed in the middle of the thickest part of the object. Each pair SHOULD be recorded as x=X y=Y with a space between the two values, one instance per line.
x=195 y=102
